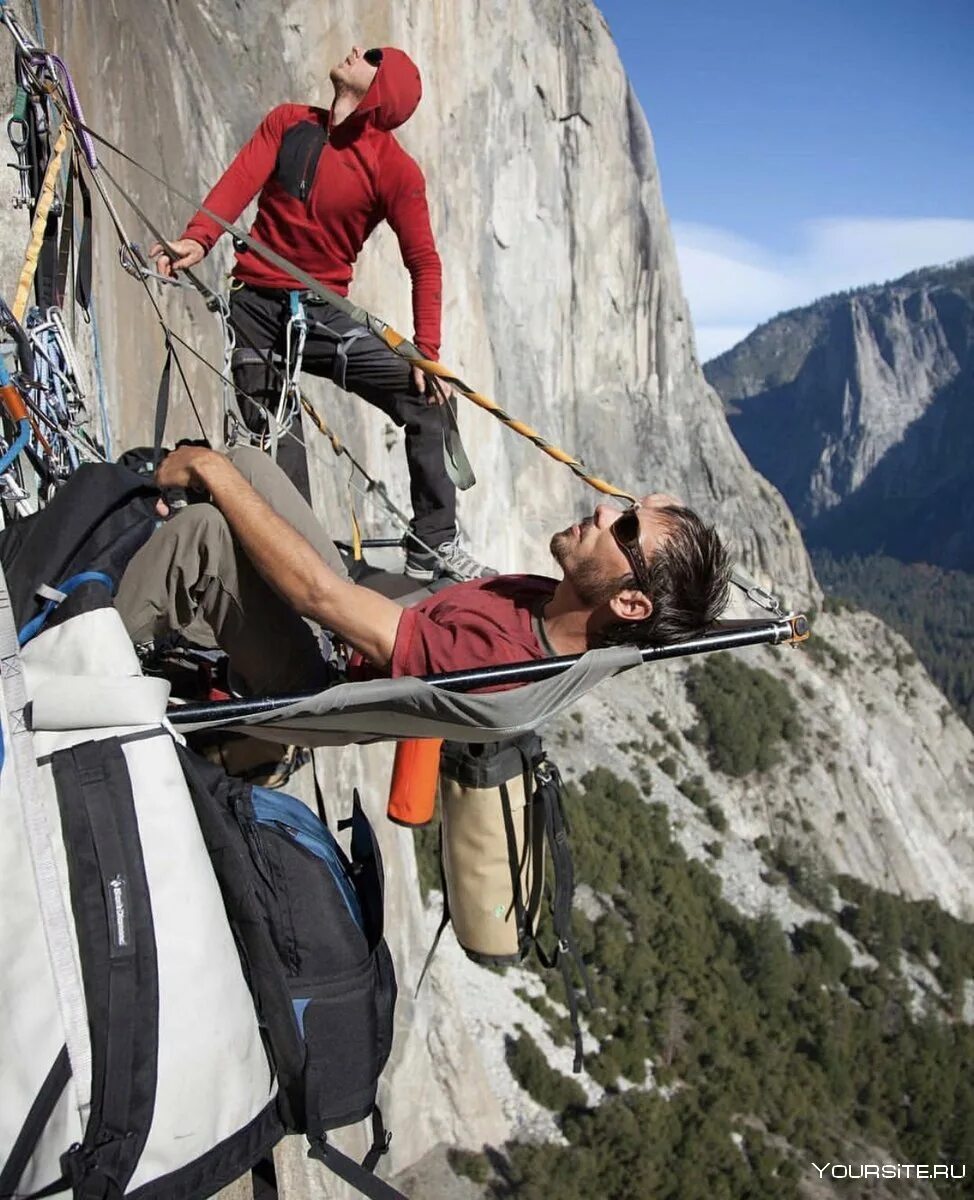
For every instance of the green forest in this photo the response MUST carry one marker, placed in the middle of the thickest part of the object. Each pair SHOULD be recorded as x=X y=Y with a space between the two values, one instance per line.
x=768 y=1050
x=932 y=608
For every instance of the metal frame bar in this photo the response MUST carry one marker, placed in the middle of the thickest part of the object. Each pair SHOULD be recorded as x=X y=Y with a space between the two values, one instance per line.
x=793 y=629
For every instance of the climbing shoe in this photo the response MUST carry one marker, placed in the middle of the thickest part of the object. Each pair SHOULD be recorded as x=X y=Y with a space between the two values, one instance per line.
x=449 y=560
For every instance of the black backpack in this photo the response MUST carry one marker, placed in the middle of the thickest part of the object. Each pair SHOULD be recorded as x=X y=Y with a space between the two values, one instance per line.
x=79 y=545
x=309 y=926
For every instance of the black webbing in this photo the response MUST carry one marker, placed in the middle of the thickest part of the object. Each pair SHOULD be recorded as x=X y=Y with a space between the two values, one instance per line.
x=38 y=122
x=359 y=1175
x=263 y=1179
x=563 y=890
x=113 y=918
x=514 y=863
x=66 y=244
x=82 y=282
x=162 y=406
x=53 y=1189
x=34 y=1125
x=444 y=920
x=380 y=1140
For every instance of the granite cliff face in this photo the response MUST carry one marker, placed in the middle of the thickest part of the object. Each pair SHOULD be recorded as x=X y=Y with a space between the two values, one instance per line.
x=563 y=301
x=858 y=409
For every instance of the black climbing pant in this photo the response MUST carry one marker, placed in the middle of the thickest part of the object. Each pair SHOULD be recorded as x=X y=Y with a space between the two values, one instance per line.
x=339 y=349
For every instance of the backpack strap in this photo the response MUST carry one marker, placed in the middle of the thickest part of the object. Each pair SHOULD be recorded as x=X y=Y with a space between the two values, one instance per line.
x=263 y=1179
x=381 y=1138
x=520 y=912
x=551 y=790
x=30 y=1134
x=444 y=920
x=359 y=1175
x=116 y=939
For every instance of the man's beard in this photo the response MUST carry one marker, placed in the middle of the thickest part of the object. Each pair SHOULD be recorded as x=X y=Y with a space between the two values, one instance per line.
x=559 y=545
x=589 y=584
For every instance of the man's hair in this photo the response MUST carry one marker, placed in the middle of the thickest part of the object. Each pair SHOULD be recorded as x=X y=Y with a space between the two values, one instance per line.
x=688 y=583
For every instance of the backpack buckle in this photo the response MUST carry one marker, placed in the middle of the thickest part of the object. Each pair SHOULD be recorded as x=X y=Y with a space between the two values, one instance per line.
x=542 y=771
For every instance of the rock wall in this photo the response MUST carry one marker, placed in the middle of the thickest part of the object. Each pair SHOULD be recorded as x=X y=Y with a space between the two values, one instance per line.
x=563 y=301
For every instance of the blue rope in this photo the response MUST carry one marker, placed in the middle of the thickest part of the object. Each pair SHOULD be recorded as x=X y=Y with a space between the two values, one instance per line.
x=19 y=442
x=106 y=427
x=34 y=626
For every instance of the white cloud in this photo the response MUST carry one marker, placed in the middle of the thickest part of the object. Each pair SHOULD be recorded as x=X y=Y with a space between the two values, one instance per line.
x=733 y=284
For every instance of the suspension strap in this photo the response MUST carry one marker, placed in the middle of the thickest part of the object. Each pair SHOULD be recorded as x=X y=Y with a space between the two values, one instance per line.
x=343 y=341
x=66 y=244
x=754 y=592
x=82 y=280
x=125 y=242
x=566 y=950
x=455 y=459
x=359 y=1175
x=162 y=406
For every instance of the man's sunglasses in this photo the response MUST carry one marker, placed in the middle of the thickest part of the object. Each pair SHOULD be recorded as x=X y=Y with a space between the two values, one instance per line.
x=626 y=530
x=373 y=57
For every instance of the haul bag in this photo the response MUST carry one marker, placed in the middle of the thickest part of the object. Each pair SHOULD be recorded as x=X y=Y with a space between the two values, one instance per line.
x=501 y=809
x=133 y=1060
x=492 y=847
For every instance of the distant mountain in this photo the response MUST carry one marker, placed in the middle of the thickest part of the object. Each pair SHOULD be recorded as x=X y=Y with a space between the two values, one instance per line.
x=860 y=409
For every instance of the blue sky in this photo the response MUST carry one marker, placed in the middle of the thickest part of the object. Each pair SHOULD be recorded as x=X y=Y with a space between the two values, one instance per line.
x=804 y=145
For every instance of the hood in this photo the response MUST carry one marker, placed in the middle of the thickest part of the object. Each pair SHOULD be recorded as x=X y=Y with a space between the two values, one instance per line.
x=395 y=91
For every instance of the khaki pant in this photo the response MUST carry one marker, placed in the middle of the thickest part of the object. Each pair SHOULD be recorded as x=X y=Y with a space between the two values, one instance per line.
x=191 y=568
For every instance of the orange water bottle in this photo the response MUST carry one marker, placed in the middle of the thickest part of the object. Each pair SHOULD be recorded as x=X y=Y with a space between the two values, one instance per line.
x=412 y=792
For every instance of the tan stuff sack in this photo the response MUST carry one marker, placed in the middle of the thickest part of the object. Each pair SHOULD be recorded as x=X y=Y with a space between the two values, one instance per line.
x=492 y=847
x=501 y=815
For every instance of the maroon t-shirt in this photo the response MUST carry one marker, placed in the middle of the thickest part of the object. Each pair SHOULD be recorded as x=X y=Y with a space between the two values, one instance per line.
x=482 y=623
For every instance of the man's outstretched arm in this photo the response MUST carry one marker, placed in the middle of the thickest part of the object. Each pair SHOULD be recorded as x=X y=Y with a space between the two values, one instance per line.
x=233 y=191
x=364 y=619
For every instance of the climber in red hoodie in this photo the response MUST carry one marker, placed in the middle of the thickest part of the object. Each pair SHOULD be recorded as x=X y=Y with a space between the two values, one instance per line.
x=325 y=180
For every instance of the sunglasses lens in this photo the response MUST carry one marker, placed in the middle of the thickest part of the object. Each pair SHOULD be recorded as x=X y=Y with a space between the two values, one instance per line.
x=626 y=526
x=373 y=57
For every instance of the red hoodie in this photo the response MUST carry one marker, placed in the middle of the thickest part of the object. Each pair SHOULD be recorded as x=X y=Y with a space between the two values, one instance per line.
x=323 y=190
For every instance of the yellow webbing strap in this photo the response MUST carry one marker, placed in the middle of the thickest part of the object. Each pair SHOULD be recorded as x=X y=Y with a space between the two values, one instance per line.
x=356 y=528
x=336 y=445
x=319 y=423
x=46 y=199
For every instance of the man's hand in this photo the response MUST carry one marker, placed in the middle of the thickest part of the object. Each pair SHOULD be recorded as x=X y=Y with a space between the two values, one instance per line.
x=433 y=388
x=183 y=468
x=187 y=254
x=419 y=380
